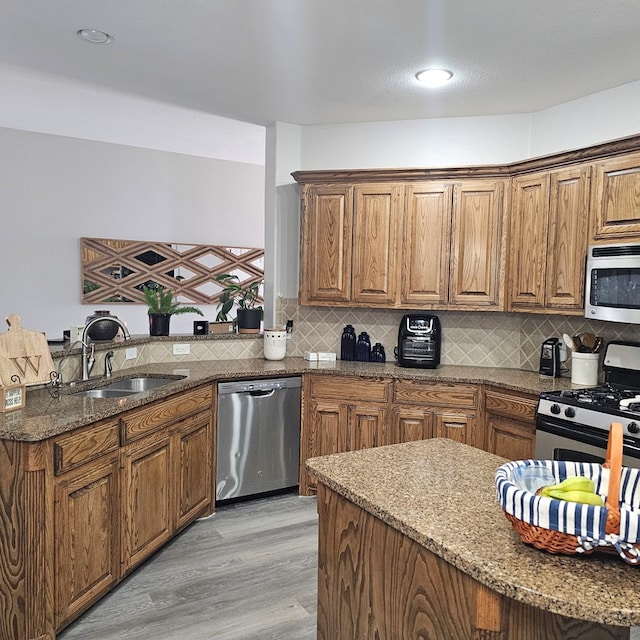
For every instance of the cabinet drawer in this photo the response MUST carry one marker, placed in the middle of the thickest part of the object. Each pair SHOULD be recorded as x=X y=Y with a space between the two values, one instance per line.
x=437 y=394
x=74 y=449
x=142 y=421
x=512 y=406
x=350 y=388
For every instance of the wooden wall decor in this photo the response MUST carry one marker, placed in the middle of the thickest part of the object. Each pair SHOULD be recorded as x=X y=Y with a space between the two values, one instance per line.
x=115 y=271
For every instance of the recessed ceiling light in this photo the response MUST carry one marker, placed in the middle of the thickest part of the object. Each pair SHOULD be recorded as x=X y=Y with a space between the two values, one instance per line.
x=94 y=36
x=434 y=77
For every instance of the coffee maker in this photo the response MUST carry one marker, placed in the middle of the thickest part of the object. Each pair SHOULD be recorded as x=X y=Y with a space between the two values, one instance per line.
x=419 y=340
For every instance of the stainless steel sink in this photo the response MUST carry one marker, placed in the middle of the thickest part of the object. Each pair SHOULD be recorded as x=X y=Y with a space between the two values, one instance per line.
x=126 y=387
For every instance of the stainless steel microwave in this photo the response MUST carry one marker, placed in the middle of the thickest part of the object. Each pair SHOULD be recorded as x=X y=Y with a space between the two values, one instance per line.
x=612 y=288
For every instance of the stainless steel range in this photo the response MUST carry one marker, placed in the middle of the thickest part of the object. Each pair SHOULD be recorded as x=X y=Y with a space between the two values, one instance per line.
x=574 y=424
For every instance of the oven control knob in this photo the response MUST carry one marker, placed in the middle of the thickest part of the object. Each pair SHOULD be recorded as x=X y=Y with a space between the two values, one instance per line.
x=570 y=412
x=633 y=427
x=555 y=409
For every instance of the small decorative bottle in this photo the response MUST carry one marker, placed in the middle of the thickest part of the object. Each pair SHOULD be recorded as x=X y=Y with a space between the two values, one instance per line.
x=363 y=347
x=348 y=343
x=377 y=353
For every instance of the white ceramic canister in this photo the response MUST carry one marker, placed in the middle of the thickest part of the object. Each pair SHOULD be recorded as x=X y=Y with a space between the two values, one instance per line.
x=275 y=344
x=584 y=368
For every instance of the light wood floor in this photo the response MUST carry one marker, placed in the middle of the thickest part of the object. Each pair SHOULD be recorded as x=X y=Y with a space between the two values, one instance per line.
x=247 y=573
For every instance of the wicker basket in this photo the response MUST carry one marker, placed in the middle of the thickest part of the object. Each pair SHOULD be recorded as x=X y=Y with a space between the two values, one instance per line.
x=564 y=527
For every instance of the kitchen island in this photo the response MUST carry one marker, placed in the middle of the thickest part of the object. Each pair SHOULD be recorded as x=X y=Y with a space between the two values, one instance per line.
x=413 y=544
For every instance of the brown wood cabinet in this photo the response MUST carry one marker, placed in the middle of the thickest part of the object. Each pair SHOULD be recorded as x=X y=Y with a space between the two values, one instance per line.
x=616 y=200
x=81 y=509
x=326 y=243
x=396 y=244
x=548 y=240
x=435 y=410
x=341 y=414
x=87 y=541
x=510 y=423
x=376 y=228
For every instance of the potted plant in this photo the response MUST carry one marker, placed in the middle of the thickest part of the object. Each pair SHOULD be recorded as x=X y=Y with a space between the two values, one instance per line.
x=249 y=313
x=161 y=306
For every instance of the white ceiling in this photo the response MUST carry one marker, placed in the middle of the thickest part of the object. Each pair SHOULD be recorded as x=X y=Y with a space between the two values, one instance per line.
x=332 y=61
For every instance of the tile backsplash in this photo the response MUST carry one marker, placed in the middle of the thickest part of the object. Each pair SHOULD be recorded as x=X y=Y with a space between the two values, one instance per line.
x=483 y=339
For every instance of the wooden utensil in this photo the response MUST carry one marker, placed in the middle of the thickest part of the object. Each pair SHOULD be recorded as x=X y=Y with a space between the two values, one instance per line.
x=588 y=341
x=24 y=354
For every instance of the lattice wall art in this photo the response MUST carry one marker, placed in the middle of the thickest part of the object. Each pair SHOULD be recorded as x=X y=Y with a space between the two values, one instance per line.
x=116 y=270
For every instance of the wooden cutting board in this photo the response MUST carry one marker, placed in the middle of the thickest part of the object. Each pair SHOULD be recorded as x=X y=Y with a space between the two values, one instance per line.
x=25 y=354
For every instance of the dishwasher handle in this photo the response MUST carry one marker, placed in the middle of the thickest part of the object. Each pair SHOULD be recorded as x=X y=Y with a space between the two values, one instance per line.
x=261 y=393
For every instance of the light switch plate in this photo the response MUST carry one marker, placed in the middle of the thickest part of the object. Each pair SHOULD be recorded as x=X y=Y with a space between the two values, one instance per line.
x=181 y=349
x=131 y=353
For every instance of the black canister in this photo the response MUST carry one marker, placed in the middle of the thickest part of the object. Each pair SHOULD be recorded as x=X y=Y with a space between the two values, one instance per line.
x=348 y=343
x=363 y=347
x=377 y=353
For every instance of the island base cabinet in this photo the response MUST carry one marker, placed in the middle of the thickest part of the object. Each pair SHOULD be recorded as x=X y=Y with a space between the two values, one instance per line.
x=375 y=582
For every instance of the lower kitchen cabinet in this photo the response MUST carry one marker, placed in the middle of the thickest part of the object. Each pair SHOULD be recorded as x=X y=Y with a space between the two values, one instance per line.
x=87 y=541
x=194 y=467
x=80 y=510
x=510 y=423
x=342 y=414
x=411 y=423
x=146 y=497
x=435 y=409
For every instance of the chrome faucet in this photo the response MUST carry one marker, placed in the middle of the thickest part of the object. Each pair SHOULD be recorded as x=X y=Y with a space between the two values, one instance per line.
x=88 y=351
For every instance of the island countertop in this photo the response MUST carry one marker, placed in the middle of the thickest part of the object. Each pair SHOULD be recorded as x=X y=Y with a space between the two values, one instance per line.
x=442 y=495
x=45 y=416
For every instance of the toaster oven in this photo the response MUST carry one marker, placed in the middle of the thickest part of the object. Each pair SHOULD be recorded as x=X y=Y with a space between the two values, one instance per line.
x=419 y=341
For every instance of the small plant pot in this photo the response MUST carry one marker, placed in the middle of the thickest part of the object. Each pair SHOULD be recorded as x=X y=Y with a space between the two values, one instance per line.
x=249 y=320
x=159 y=324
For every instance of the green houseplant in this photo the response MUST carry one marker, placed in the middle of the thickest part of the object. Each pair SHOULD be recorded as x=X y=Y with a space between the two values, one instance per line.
x=246 y=297
x=160 y=307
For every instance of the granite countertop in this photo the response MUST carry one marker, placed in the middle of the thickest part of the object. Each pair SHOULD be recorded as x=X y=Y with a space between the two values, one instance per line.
x=442 y=495
x=45 y=416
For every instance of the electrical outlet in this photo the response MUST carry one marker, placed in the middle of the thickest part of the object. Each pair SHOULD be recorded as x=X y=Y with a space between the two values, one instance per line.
x=181 y=349
x=131 y=353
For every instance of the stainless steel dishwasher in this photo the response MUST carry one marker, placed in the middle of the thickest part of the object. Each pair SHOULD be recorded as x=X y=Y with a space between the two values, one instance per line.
x=258 y=436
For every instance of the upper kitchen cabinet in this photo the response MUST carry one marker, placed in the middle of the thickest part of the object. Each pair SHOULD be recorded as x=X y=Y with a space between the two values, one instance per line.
x=616 y=199
x=452 y=244
x=325 y=266
x=426 y=244
x=548 y=240
x=401 y=243
x=376 y=224
x=476 y=263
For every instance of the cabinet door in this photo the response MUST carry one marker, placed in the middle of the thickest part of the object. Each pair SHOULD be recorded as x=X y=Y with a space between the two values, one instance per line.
x=426 y=243
x=615 y=199
x=147 y=497
x=455 y=426
x=510 y=424
x=367 y=426
x=411 y=424
x=476 y=244
x=194 y=464
x=567 y=238
x=87 y=535
x=376 y=219
x=528 y=248
x=325 y=432
x=509 y=438
x=325 y=274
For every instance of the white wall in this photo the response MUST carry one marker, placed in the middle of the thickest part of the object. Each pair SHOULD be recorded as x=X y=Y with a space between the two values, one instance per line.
x=56 y=189
x=467 y=141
